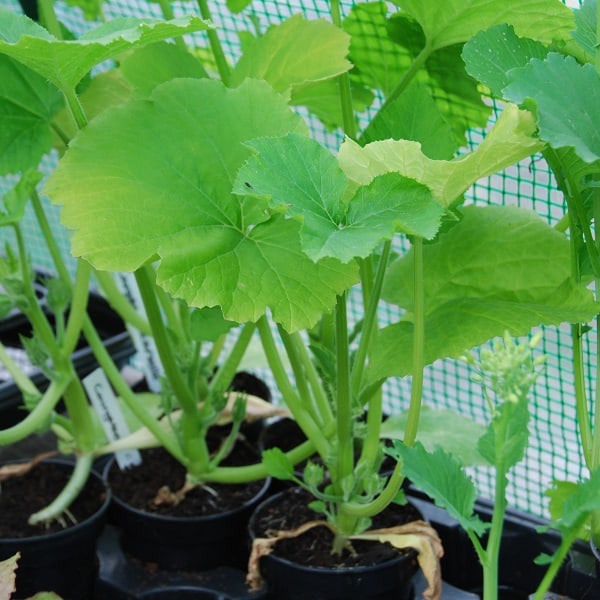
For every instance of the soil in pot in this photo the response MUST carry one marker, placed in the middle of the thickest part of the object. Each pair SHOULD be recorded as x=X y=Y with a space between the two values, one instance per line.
x=205 y=530
x=59 y=557
x=304 y=567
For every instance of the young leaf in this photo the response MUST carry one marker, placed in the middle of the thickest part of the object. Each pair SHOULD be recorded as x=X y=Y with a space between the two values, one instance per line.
x=208 y=324
x=447 y=429
x=585 y=500
x=66 y=62
x=542 y=82
x=176 y=156
x=303 y=179
x=16 y=199
x=278 y=464
x=510 y=140
x=456 y=21
x=294 y=52
x=443 y=479
x=499 y=269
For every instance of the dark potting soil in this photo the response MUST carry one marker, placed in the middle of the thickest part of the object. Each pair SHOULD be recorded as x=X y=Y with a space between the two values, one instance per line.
x=138 y=486
x=22 y=496
x=313 y=548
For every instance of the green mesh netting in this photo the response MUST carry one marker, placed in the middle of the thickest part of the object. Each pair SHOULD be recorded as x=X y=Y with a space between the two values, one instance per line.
x=554 y=451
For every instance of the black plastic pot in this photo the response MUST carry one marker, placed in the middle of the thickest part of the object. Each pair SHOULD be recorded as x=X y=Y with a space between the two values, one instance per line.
x=184 y=543
x=110 y=328
x=287 y=580
x=64 y=562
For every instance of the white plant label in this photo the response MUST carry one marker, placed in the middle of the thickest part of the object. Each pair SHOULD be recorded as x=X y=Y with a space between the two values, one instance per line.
x=147 y=353
x=111 y=417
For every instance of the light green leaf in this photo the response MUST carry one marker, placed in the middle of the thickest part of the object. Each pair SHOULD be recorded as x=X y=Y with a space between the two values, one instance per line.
x=154 y=179
x=153 y=64
x=16 y=199
x=446 y=429
x=499 y=269
x=583 y=501
x=278 y=464
x=510 y=140
x=414 y=116
x=65 y=62
x=208 y=324
x=585 y=31
x=237 y=6
x=443 y=479
x=294 y=52
x=303 y=180
x=568 y=115
x=455 y=21
x=28 y=104
x=491 y=54
x=505 y=440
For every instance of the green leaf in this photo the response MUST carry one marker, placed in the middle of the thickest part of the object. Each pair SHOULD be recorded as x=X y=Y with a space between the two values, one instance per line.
x=237 y=6
x=559 y=493
x=505 y=440
x=28 y=104
x=585 y=31
x=443 y=479
x=304 y=180
x=568 y=115
x=208 y=324
x=153 y=64
x=583 y=501
x=92 y=9
x=414 y=116
x=154 y=179
x=66 y=62
x=294 y=52
x=490 y=55
x=455 y=21
x=501 y=268
x=510 y=140
x=278 y=464
x=447 y=429
x=16 y=199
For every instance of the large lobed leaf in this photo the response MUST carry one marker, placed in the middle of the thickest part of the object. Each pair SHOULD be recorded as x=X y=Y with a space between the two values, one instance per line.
x=500 y=269
x=454 y=21
x=153 y=179
x=66 y=62
x=304 y=180
x=510 y=140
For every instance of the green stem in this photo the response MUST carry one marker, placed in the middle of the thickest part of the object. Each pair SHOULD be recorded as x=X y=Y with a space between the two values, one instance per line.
x=290 y=396
x=38 y=417
x=414 y=411
x=408 y=76
x=48 y=18
x=24 y=383
x=558 y=558
x=215 y=44
x=69 y=493
x=167 y=11
x=163 y=343
x=75 y=107
x=226 y=372
x=120 y=304
x=79 y=300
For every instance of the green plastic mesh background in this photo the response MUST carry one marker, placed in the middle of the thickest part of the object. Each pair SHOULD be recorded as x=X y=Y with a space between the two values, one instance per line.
x=554 y=451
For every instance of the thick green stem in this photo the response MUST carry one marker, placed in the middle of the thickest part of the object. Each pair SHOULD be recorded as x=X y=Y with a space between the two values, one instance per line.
x=48 y=19
x=61 y=503
x=414 y=411
x=215 y=44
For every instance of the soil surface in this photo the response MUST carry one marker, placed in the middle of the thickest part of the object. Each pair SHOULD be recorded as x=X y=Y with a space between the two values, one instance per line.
x=138 y=486
x=313 y=548
x=22 y=496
